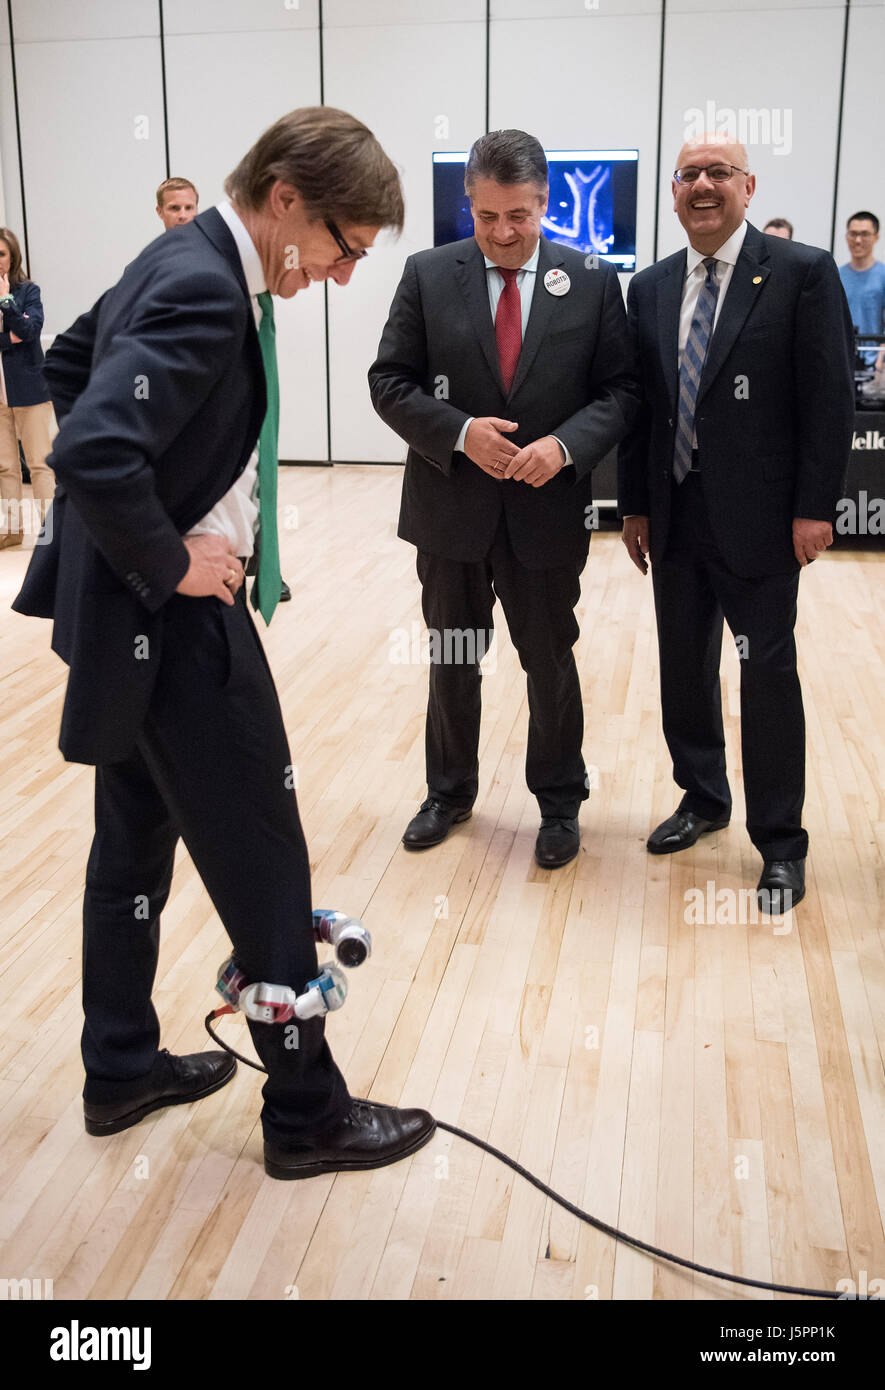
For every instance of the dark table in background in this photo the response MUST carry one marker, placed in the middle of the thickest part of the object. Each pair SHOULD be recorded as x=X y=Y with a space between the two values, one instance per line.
x=860 y=518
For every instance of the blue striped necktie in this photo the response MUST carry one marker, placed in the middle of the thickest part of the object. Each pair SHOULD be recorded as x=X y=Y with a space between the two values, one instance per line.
x=691 y=366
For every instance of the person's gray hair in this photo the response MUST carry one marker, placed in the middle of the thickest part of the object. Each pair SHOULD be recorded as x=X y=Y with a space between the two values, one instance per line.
x=507 y=156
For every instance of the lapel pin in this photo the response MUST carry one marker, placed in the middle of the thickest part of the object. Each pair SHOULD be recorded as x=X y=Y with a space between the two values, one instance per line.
x=757 y=279
x=557 y=282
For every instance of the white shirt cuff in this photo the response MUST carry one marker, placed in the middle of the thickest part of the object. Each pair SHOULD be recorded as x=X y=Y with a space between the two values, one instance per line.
x=459 y=442
x=564 y=448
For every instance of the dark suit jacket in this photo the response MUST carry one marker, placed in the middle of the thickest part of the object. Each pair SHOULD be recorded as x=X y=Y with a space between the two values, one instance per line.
x=437 y=365
x=23 y=362
x=775 y=408
x=159 y=391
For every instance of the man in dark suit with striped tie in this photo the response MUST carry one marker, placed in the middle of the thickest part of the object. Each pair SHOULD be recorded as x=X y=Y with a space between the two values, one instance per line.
x=730 y=482
x=162 y=390
x=505 y=366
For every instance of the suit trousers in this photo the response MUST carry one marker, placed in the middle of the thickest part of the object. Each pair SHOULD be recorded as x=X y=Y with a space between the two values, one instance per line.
x=212 y=766
x=694 y=590
x=458 y=598
x=33 y=425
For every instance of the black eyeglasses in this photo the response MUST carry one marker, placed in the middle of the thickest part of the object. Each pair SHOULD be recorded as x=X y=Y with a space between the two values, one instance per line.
x=347 y=253
x=719 y=173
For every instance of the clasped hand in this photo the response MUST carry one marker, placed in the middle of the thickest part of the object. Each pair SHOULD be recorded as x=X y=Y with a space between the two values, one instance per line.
x=489 y=448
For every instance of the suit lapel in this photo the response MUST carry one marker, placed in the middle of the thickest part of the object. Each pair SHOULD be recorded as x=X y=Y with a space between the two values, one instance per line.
x=540 y=314
x=470 y=274
x=747 y=282
x=669 y=303
x=216 y=230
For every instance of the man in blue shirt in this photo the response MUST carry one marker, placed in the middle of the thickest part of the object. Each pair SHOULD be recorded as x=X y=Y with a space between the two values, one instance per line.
x=863 y=278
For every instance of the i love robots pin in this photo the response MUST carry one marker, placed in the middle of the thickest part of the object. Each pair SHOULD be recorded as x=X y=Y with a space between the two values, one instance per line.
x=557 y=282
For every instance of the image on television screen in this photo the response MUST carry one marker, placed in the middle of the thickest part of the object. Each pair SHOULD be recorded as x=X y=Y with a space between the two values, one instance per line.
x=591 y=206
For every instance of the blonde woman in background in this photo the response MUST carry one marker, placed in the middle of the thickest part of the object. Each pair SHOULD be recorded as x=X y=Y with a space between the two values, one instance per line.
x=25 y=405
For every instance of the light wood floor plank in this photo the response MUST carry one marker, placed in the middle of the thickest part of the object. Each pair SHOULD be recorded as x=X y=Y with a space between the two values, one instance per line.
x=714 y=1086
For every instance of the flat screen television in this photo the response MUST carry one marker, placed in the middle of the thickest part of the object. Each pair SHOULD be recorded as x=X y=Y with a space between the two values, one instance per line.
x=591 y=207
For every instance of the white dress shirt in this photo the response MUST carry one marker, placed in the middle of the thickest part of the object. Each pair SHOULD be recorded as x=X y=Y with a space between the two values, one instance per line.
x=695 y=275
x=525 y=284
x=235 y=515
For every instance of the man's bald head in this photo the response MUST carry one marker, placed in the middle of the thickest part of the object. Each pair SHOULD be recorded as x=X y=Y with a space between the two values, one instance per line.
x=711 y=209
x=714 y=145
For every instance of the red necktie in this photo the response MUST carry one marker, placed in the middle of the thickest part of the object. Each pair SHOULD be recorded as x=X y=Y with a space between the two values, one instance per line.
x=508 y=326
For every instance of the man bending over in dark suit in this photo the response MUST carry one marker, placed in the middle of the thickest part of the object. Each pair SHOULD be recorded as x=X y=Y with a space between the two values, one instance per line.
x=731 y=480
x=163 y=389
x=505 y=366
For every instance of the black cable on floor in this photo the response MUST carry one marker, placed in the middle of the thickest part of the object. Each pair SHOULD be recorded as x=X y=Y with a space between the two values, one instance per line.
x=576 y=1211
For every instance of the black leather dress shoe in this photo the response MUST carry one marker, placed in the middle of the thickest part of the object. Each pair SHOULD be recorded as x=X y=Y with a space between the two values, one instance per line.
x=680 y=830
x=285 y=593
x=558 y=842
x=370 y=1136
x=781 y=886
x=432 y=824
x=173 y=1081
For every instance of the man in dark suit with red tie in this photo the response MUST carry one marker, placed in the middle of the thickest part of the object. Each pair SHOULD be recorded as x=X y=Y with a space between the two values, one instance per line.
x=730 y=481
x=162 y=390
x=505 y=366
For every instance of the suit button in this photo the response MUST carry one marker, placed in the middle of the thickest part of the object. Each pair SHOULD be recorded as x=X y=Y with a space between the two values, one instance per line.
x=670 y=423
x=665 y=475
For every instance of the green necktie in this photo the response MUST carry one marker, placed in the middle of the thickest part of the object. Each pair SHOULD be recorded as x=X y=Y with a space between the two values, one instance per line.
x=269 y=579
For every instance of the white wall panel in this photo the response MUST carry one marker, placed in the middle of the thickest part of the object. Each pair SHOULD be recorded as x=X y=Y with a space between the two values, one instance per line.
x=746 y=10
x=53 y=21
x=223 y=89
x=348 y=14
x=862 y=161
x=238 y=16
x=771 y=62
x=571 y=9
x=400 y=79
x=10 y=181
x=93 y=151
x=602 y=94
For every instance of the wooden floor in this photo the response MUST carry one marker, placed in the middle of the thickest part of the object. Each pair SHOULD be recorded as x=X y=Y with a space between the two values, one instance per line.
x=714 y=1088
